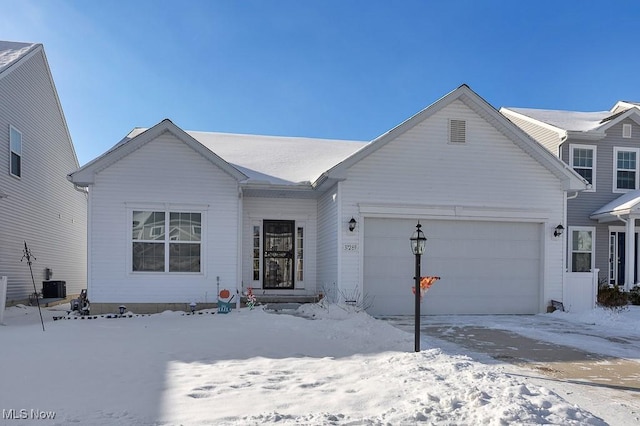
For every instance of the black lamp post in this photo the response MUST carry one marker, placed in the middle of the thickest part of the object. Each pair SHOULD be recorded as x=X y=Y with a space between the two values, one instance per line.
x=418 y=241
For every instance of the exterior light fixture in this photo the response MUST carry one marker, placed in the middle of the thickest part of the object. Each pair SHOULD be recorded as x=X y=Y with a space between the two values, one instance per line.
x=352 y=224
x=192 y=305
x=418 y=242
x=558 y=231
x=122 y=309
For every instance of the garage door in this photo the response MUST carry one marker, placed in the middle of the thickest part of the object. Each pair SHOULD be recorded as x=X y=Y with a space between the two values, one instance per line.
x=485 y=267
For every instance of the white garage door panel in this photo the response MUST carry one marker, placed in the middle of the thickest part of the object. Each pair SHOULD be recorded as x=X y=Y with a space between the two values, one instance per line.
x=485 y=267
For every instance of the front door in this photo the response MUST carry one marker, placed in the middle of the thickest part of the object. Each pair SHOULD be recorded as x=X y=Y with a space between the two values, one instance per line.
x=617 y=257
x=278 y=242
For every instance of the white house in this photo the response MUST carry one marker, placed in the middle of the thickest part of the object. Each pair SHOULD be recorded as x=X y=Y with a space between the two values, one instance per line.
x=37 y=203
x=174 y=216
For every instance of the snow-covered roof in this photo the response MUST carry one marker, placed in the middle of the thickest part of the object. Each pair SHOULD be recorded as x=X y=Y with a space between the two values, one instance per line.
x=11 y=51
x=623 y=205
x=566 y=120
x=275 y=159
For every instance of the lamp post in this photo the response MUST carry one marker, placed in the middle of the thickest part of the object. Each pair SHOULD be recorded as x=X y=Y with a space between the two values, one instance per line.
x=418 y=241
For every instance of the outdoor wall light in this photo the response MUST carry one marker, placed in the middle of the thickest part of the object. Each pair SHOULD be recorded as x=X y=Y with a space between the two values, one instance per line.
x=122 y=308
x=352 y=224
x=418 y=242
x=558 y=231
x=192 y=305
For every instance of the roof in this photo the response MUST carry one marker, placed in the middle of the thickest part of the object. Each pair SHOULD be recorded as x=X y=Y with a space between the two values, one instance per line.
x=12 y=51
x=275 y=159
x=623 y=205
x=566 y=120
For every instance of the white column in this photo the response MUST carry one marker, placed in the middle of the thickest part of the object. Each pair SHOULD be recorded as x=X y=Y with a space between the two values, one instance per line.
x=630 y=257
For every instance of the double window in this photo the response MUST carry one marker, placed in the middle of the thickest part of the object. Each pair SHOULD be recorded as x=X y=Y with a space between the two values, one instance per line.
x=15 y=152
x=166 y=241
x=625 y=168
x=583 y=160
x=581 y=243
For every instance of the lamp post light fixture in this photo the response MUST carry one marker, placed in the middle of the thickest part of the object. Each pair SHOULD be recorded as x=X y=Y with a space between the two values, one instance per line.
x=122 y=309
x=192 y=306
x=418 y=242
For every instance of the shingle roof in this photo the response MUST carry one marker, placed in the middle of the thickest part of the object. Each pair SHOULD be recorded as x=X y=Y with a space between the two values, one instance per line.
x=566 y=120
x=11 y=51
x=276 y=159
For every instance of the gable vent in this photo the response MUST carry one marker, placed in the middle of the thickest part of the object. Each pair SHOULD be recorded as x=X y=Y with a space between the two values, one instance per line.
x=457 y=131
x=626 y=130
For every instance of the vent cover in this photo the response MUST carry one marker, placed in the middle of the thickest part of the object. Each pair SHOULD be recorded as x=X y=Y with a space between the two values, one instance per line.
x=457 y=131
x=626 y=130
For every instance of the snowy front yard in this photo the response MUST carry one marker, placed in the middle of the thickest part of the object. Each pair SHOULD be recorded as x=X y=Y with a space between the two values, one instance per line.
x=253 y=367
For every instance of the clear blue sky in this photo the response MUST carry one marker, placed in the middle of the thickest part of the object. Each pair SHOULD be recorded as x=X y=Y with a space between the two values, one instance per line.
x=343 y=69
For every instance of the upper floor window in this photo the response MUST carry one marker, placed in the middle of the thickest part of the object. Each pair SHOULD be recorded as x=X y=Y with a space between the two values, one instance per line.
x=161 y=245
x=582 y=159
x=626 y=169
x=15 y=154
x=626 y=131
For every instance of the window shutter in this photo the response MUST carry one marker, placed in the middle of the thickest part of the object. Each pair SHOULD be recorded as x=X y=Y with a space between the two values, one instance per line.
x=457 y=131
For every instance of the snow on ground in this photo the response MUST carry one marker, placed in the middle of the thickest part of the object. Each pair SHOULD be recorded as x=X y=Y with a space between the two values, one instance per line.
x=255 y=367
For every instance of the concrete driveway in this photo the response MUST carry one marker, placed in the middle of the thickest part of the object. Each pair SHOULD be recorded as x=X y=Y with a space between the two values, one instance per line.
x=530 y=344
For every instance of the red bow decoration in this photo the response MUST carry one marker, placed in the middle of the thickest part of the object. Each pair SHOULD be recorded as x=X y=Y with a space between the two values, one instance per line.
x=425 y=284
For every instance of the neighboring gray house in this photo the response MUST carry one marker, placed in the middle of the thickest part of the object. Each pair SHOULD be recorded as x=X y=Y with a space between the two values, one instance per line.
x=37 y=203
x=172 y=214
x=603 y=147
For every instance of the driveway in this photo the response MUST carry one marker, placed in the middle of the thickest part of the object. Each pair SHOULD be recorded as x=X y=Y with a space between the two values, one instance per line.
x=607 y=374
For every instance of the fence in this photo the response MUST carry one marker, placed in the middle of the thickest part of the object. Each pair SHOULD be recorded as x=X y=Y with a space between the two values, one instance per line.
x=580 y=291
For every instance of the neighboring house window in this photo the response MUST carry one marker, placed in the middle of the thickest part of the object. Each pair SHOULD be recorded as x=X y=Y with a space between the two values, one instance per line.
x=581 y=243
x=626 y=131
x=457 y=131
x=159 y=245
x=582 y=159
x=626 y=169
x=300 y=254
x=15 y=146
x=256 y=253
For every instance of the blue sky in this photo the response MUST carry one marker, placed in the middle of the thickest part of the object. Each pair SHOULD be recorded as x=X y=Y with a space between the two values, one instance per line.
x=339 y=69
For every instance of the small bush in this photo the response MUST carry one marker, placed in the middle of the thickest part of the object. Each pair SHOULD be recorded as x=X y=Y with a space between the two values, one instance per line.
x=634 y=295
x=612 y=298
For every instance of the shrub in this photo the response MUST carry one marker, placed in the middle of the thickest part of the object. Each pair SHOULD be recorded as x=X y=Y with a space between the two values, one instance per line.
x=612 y=298
x=634 y=295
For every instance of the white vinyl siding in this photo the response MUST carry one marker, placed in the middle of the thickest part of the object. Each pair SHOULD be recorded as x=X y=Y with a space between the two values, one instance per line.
x=582 y=158
x=625 y=167
x=42 y=208
x=418 y=176
x=163 y=175
x=582 y=248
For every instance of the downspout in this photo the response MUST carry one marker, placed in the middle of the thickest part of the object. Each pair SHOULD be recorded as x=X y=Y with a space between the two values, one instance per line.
x=239 y=258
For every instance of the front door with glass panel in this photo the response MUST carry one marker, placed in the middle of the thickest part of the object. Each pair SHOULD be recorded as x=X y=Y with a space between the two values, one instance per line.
x=617 y=257
x=278 y=240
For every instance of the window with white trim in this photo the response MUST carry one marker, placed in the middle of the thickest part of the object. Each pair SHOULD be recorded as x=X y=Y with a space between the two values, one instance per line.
x=582 y=159
x=626 y=131
x=161 y=245
x=625 y=166
x=581 y=243
x=15 y=152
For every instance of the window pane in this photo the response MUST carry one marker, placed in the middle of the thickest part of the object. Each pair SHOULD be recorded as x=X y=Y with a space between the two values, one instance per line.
x=581 y=262
x=586 y=173
x=184 y=257
x=148 y=225
x=626 y=160
x=148 y=257
x=16 y=165
x=185 y=226
x=582 y=157
x=16 y=141
x=626 y=180
x=582 y=241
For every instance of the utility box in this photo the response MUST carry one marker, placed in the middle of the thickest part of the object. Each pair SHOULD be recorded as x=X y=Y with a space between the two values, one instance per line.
x=54 y=289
